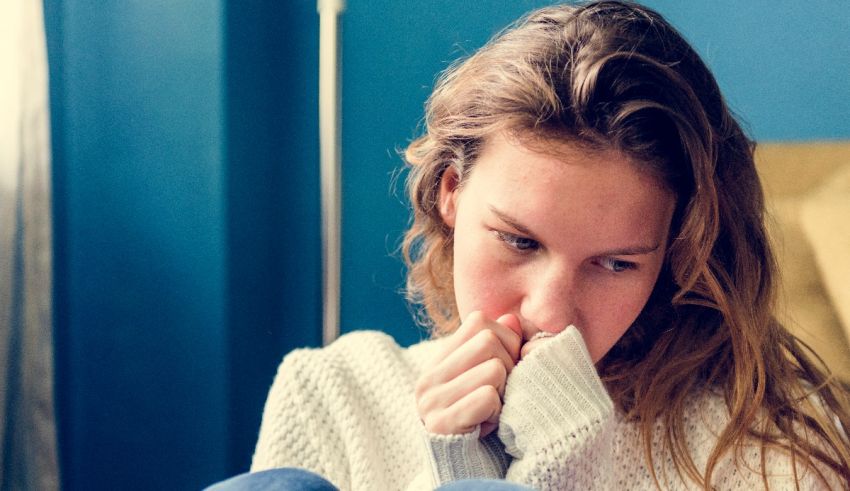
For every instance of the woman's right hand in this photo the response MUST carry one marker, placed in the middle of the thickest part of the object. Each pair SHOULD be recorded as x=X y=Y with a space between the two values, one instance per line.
x=464 y=383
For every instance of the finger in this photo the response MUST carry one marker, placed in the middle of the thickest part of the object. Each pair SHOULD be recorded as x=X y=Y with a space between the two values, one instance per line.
x=482 y=347
x=469 y=327
x=491 y=372
x=477 y=340
x=481 y=405
x=511 y=343
x=507 y=328
x=491 y=424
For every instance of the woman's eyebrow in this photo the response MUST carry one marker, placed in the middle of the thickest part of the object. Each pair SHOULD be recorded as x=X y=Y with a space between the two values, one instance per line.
x=511 y=221
x=631 y=251
x=635 y=250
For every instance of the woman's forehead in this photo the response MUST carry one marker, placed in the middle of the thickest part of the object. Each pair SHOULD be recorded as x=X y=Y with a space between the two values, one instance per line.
x=599 y=194
x=565 y=148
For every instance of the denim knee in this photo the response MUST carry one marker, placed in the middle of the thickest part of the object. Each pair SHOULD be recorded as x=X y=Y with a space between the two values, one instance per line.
x=285 y=479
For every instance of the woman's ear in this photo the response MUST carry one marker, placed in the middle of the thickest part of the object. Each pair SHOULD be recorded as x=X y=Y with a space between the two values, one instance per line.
x=448 y=196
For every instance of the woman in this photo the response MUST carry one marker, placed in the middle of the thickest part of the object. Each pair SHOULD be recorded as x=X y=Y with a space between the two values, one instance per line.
x=588 y=246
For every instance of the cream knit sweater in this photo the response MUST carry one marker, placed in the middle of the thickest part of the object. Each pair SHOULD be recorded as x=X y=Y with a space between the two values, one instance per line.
x=347 y=412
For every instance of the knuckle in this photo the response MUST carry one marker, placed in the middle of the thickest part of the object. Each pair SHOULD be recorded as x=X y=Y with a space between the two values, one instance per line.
x=487 y=341
x=496 y=370
x=491 y=395
x=487 y=397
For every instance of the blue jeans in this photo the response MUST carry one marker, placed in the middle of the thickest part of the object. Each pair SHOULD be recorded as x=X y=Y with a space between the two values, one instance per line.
x=290 y=479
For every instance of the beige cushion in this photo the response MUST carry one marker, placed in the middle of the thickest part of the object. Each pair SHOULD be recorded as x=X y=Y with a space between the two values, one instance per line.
x=803 y=306
x=825 y=217
x=794 y=177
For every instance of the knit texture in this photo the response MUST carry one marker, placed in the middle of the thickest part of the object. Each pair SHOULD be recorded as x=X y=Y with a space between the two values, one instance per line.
x=456 y=457
x=348 y=413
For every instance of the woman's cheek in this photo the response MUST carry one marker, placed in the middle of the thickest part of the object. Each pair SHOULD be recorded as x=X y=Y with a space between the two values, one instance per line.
x=608 y=311
x=482 y=283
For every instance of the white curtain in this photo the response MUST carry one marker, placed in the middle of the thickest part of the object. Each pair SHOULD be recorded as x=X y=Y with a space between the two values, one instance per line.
x=28 y=447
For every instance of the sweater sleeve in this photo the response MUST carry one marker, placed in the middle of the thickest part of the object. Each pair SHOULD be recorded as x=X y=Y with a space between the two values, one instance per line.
x=557 y=419
x=456 y=457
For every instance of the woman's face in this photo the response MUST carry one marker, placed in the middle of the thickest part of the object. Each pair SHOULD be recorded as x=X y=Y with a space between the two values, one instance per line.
x=557 y=238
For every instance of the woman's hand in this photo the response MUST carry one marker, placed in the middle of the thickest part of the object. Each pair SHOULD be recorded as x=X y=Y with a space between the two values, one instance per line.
x=464 y=385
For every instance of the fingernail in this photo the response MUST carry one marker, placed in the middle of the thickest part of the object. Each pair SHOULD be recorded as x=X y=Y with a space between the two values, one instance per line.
x=541 y=335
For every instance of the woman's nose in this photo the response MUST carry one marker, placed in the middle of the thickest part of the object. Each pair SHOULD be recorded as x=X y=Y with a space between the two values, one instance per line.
x=549 y=303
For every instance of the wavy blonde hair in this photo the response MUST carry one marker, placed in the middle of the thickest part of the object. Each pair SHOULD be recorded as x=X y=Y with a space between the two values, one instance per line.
x=616 y=75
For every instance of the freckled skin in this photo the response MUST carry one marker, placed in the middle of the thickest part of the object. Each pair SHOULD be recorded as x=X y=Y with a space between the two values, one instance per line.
x=576 y=207
x=541 y=241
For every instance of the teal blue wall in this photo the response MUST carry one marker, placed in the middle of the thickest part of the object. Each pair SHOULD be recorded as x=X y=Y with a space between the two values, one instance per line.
x=185 y=238
x=783 y=65
x=186 y=194
x=140 y=241
x=274 y=264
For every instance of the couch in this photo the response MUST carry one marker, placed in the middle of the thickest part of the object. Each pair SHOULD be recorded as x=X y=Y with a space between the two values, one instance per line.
x=807 y=187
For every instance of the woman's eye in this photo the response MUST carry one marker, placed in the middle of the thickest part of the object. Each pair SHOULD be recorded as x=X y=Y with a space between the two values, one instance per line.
x=521 y=244
x=616 y=265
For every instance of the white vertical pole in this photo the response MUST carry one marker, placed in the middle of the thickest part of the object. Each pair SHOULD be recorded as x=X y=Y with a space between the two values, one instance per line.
x=330 y=155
